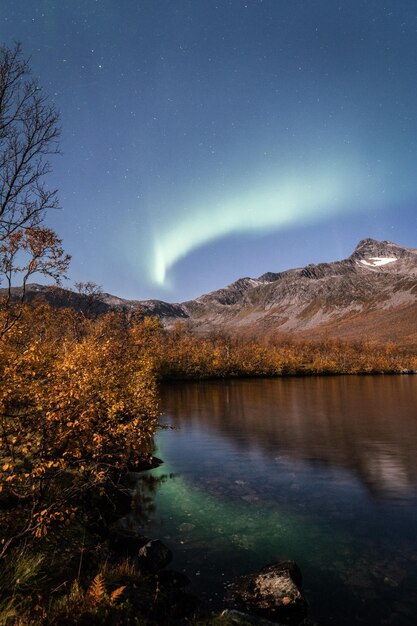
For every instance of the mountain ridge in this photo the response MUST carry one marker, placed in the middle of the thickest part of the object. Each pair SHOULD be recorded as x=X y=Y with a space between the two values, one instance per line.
x=372 y=294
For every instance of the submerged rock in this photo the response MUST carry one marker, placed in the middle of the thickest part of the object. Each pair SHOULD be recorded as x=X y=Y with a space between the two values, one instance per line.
x=273 y=593
x=154 y=556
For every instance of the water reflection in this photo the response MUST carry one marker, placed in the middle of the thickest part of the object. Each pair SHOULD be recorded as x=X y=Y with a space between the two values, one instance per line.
x=366 y=425
x=320 y=470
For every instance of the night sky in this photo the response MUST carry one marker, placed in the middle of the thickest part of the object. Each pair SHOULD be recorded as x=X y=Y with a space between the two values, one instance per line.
x=205 y=140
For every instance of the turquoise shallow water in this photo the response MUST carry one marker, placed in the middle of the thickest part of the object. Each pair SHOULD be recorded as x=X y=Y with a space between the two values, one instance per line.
x=320 y=470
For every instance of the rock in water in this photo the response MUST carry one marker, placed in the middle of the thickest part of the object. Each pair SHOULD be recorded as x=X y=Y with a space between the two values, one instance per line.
x=274 y=593
x=154 y=556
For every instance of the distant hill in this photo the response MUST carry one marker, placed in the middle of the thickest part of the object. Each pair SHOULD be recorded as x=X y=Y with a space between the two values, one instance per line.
x=370 y=295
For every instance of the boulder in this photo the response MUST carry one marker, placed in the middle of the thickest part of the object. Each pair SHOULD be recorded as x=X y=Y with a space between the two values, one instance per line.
x=273 y=593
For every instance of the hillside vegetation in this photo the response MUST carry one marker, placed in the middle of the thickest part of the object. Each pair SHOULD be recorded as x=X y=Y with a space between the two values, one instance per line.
x=180 y=354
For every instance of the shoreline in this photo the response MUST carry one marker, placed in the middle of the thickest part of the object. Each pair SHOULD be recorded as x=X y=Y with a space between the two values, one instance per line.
x=298 y=374
x=238 y=607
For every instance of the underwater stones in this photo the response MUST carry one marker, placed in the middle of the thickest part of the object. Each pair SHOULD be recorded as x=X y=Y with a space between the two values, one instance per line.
x=246 y=542
x=154 y=556
x=368 y=580
x=391 y=572
x=273 y=593
x=250 y=497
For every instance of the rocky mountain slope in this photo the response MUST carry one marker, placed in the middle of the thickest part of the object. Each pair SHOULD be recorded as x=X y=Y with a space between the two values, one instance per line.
x=370 y=295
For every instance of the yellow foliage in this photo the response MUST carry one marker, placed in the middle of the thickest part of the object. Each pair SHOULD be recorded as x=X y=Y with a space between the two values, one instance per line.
x=181 y=354
x=78 y=396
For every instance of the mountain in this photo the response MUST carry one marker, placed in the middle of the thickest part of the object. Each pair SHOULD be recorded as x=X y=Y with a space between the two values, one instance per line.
x=95 y=304
x=370 y=295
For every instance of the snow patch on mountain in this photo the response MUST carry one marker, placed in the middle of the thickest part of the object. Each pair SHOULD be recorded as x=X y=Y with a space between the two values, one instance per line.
x=377 y=261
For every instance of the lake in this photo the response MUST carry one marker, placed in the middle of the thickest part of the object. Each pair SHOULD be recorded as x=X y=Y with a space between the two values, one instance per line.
x=320 y=470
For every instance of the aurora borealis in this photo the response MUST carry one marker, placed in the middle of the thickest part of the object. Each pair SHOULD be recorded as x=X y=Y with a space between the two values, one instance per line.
x=204 y=141
x=285 y=202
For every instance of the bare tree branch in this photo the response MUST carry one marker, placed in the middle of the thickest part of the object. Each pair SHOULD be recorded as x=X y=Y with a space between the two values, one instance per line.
x=29 y=133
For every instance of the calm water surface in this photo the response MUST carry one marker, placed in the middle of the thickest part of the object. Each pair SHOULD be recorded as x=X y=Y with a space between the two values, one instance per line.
x=320 y=470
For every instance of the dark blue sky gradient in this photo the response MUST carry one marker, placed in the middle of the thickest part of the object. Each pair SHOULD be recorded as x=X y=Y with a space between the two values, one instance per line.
x=182 y=120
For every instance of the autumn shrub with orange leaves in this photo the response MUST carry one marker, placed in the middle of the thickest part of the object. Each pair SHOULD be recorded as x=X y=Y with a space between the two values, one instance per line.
x=78 y=405
x=181 y=353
